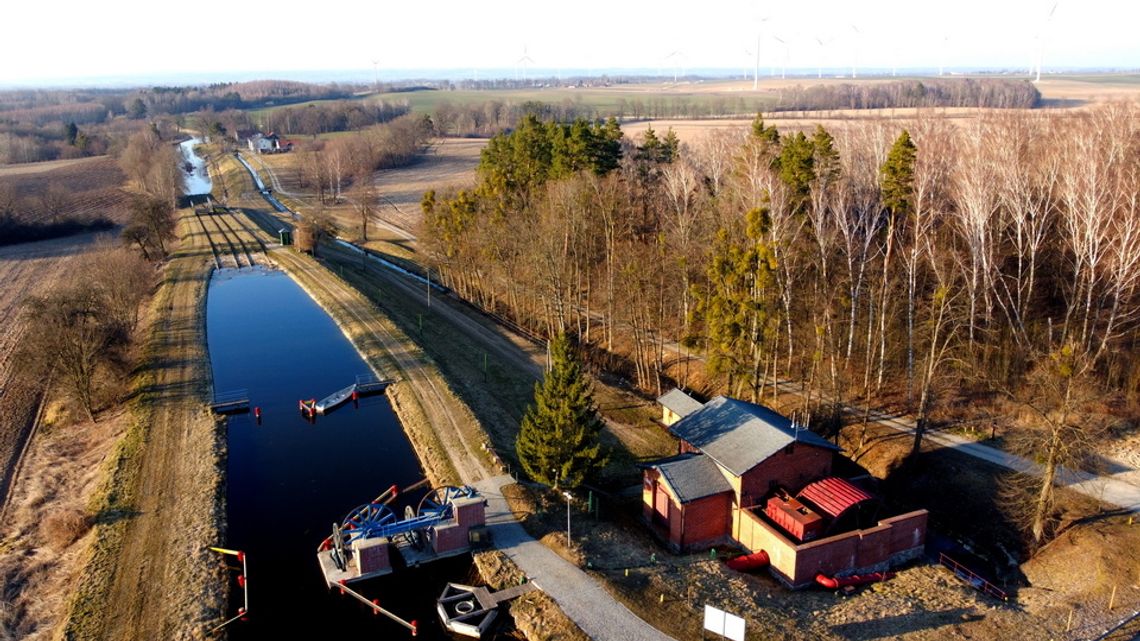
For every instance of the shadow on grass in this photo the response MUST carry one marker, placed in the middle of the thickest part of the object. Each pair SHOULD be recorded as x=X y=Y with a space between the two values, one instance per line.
x=891 y=627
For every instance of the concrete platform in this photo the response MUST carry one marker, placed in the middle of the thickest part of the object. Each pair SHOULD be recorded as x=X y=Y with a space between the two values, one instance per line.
x=334 y=575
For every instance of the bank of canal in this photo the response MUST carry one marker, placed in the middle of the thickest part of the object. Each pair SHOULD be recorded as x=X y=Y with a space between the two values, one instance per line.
x=289 y=480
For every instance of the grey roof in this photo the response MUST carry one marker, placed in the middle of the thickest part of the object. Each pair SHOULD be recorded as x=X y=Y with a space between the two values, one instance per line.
x=679 y=402
x=740 y=435
x=692 y=477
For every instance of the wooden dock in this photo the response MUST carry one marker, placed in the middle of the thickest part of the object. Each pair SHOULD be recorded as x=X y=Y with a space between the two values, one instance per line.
x=369 y=384
x=365 y=384
x=231 y=402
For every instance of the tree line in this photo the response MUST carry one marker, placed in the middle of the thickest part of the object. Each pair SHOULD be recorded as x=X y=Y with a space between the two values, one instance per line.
x=80 y=330
x=341 y=115
x=930 y=261
x=333 y=167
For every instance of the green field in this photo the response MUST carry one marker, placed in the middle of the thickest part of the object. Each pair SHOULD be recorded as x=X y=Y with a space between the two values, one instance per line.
x=701 y=99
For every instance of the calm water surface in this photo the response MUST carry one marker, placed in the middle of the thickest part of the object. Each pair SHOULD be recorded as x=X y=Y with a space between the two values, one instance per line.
x=289 y=480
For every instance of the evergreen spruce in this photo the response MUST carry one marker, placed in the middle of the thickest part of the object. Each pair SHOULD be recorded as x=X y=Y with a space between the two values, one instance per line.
x=559 y=441
x=797 y=169
x=896 y=176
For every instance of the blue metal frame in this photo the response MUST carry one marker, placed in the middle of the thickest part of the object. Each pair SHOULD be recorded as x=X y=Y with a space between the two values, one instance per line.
x=373 y=520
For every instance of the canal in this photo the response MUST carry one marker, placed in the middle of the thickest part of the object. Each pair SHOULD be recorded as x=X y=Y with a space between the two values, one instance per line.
x=288 y=479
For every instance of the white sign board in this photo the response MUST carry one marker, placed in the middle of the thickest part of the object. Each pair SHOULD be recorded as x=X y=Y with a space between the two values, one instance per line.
x=726 y=625
x=714 y=620
x=733 y=627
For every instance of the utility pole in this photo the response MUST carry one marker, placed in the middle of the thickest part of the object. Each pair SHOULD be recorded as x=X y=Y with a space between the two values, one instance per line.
x=568 y=540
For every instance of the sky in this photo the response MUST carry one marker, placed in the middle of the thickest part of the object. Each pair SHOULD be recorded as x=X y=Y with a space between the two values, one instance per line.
x=50 y=42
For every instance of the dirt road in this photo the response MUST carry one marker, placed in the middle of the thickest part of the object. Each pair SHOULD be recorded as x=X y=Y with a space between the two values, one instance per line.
x=151 y=576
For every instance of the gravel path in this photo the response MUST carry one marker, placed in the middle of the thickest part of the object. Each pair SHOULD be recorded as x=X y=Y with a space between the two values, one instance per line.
x=580 y=597
x=1121 y=489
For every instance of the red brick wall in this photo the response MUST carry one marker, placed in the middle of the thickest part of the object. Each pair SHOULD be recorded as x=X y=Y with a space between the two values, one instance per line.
x=706 y=521
x=792 y=471
x=844 y=553
x=696 y=524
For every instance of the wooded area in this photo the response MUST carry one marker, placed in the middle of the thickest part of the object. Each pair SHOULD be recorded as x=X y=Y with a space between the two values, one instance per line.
x=995 y=257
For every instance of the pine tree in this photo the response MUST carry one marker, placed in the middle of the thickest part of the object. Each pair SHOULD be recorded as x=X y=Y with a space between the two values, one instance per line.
x=827 y=164
x=797 y=168
x=766 y=134
x=896 y=176
x=558 y=443
x=737 y=308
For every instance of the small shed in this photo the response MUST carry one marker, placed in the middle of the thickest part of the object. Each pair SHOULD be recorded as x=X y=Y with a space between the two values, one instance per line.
x=676 y=405
x=687 y=501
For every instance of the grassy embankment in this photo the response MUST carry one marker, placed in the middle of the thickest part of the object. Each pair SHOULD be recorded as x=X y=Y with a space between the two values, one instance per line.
x=162 y=501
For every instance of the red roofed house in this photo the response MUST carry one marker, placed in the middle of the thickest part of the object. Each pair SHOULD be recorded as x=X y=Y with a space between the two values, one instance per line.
x=747 y=475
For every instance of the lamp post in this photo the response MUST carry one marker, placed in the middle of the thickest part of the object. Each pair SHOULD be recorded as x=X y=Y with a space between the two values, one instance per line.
x=568 y=497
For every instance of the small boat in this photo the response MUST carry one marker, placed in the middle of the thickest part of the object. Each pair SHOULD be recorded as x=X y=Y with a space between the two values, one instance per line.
x=749 y=562
x=336 y=398
x=834 y=582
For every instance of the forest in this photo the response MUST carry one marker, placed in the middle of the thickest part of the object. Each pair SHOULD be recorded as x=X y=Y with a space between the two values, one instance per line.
x=489 y=117
x=925 y=265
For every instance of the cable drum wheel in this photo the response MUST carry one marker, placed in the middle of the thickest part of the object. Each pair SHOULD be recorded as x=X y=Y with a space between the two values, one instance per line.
x=438 y=501
x=364 y=520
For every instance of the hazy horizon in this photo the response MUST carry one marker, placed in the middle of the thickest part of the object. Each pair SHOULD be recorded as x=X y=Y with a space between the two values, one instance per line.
x=362 y=76
x=132 y=40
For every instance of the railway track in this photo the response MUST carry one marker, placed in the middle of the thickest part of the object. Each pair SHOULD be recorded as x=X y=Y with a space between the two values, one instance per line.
x=223 y=222
x=209 y=239
x=218 y=236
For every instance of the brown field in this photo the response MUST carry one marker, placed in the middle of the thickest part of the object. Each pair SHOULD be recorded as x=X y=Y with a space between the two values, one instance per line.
x=25 y=270
x=59 y=471
x=449 y=162
x=95 y=185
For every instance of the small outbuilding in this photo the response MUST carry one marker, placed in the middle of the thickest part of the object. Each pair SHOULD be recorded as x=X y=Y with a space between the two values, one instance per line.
x=747 y=475
x=676 y=405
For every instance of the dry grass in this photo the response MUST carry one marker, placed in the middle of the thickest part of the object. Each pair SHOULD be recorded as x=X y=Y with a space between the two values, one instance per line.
x=62 y=527
x=49 y=165
x=536 y=616
x=40 y=561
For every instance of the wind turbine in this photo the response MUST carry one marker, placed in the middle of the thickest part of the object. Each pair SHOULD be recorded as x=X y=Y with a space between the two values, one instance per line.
x=784 y=65
x=678 y=54
x=855 y=52
x=942 y=54
x=376 y=76
x=523 y=61
x=756 y=67
x=1041 y=39
x=819 y=61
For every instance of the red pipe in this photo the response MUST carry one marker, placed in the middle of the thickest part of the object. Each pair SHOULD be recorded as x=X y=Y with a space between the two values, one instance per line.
x=832 y=583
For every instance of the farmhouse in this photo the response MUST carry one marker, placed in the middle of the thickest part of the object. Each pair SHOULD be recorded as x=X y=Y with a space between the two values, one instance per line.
x=269 y=143
x=746 y=475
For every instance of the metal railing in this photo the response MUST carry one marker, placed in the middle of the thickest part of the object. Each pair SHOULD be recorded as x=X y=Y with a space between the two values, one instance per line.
x=974 y=579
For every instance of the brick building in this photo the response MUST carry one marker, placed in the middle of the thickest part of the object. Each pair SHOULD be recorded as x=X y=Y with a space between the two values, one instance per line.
x=747 y=475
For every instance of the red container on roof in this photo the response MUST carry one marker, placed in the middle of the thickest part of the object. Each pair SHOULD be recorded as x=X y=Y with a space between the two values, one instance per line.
x=794 y=517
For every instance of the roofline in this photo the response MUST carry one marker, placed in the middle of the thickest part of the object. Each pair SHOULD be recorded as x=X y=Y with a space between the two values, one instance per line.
x=834 y=447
